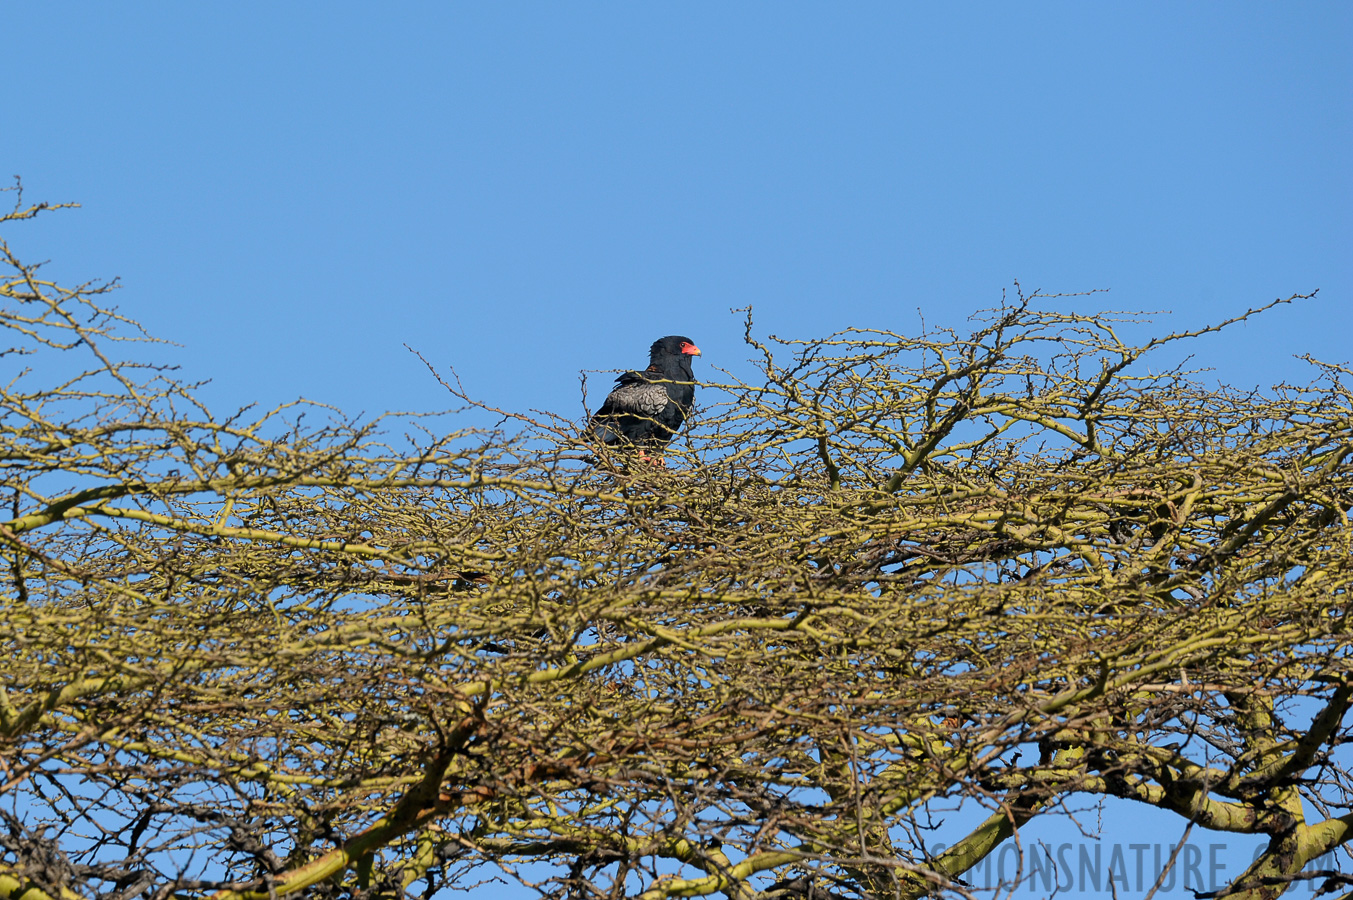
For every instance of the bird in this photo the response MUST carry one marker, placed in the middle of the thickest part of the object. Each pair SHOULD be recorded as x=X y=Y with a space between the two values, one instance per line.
x=646 y=409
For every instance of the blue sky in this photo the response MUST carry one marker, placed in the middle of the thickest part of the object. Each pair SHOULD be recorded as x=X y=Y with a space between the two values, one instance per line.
x=521 y=191
x=293 y=191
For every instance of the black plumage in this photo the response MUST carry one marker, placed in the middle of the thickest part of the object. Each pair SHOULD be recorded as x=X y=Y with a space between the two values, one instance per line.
x=645 y=409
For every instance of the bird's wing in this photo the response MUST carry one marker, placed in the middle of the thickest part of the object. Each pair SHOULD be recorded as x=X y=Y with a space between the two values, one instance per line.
x=634 y=396
x=632 y=412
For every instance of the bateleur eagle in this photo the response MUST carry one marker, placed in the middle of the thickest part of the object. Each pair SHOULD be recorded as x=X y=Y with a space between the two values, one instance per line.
x=645 y=409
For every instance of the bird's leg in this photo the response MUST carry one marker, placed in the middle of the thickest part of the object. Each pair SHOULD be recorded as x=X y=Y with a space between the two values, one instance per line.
x=658 y=460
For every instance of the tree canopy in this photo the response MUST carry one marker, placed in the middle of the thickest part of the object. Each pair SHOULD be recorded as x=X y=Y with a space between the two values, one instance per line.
x=286 y=651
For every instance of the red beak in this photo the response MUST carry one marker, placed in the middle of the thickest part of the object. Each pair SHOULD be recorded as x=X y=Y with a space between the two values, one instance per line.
x=691 y=349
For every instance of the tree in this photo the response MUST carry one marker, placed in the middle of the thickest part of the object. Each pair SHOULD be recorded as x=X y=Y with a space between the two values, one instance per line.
x=256 y=656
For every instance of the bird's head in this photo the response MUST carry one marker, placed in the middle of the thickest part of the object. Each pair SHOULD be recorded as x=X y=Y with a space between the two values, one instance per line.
x=674 y=345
